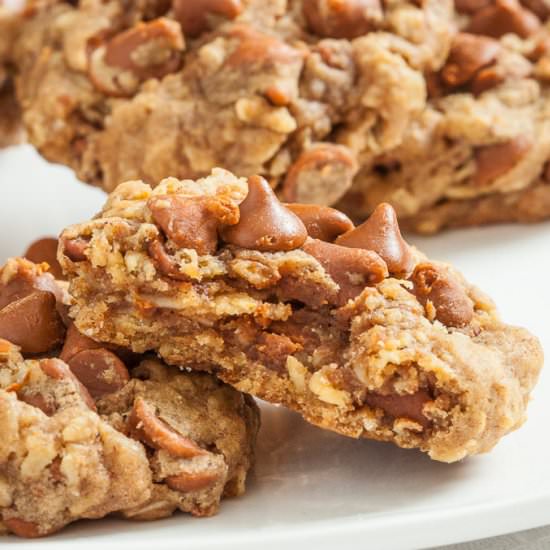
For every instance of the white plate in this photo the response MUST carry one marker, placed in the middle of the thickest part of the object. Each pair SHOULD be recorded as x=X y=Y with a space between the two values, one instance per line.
x=317 y=489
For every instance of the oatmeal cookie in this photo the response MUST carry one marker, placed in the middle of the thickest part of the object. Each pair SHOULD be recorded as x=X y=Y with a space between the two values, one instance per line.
x=301 y=91
x=479 y=151
x=438 y=107
x=90 y=429
x=349 y=326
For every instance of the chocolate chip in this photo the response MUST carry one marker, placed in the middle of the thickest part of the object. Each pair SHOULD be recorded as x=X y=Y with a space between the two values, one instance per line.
x=352 y=269
x=193 y=15
x=401 y=406
x=381 y=233
x=75 y=249
x=503 y=17
x=322 y=222
x=265 y=224
x=32 y=323
x=469 y=53
x=320 y=175
x=437 y=286
x=45 y=250
x=100 y=371
x=341 y=18
x=192 y=222
x=496 y=160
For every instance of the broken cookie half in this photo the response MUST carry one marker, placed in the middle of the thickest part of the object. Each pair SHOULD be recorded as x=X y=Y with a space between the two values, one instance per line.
x=90 y=430
x=350 y=326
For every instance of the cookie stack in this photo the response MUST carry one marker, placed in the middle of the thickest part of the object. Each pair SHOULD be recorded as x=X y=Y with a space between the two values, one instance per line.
x=128 y=361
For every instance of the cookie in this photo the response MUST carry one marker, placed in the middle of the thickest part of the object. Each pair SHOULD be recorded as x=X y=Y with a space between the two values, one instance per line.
x=479 y=151
x=349 y=326
x=300 y=91
x=90 y=430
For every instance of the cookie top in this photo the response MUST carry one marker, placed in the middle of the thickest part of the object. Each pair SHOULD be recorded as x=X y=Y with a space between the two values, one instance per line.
x=303 y=86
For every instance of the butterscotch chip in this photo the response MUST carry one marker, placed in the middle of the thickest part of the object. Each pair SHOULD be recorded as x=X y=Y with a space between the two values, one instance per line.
x=22 y=528
x=352 y=268
x=58 y=370
x=402 y=406
x=265 y=224
x=381 y=234
x=470 y=6
x=75 y=249
x=192 y=222
x=75 y=342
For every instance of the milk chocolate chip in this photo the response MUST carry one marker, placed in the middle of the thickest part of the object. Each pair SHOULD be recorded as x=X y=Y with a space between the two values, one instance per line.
x=145 y=425
x=435 y=285
x=322 y=222
x=401 y=406
x=58 y=370
x=320 y=175
x=187 y=482
x=351 y=268
x=100 y=371
x=32 y=323
x=75 y=249
x=256 y=48
x=45 y=250
x=502 y=17
x=470 y=6
x=148 y=50
x=342 y=18
x=192 y=222
x=193 y=15
x=265 y=224
x=494 y=161
x=381 y=233
x=469 y=53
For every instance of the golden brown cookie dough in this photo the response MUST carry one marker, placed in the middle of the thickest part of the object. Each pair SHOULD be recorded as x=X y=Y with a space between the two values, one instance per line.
x=90 y=430
x=359 y=333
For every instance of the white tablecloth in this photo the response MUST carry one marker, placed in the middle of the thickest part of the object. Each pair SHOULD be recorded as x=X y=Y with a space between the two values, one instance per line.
x=535 y=539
